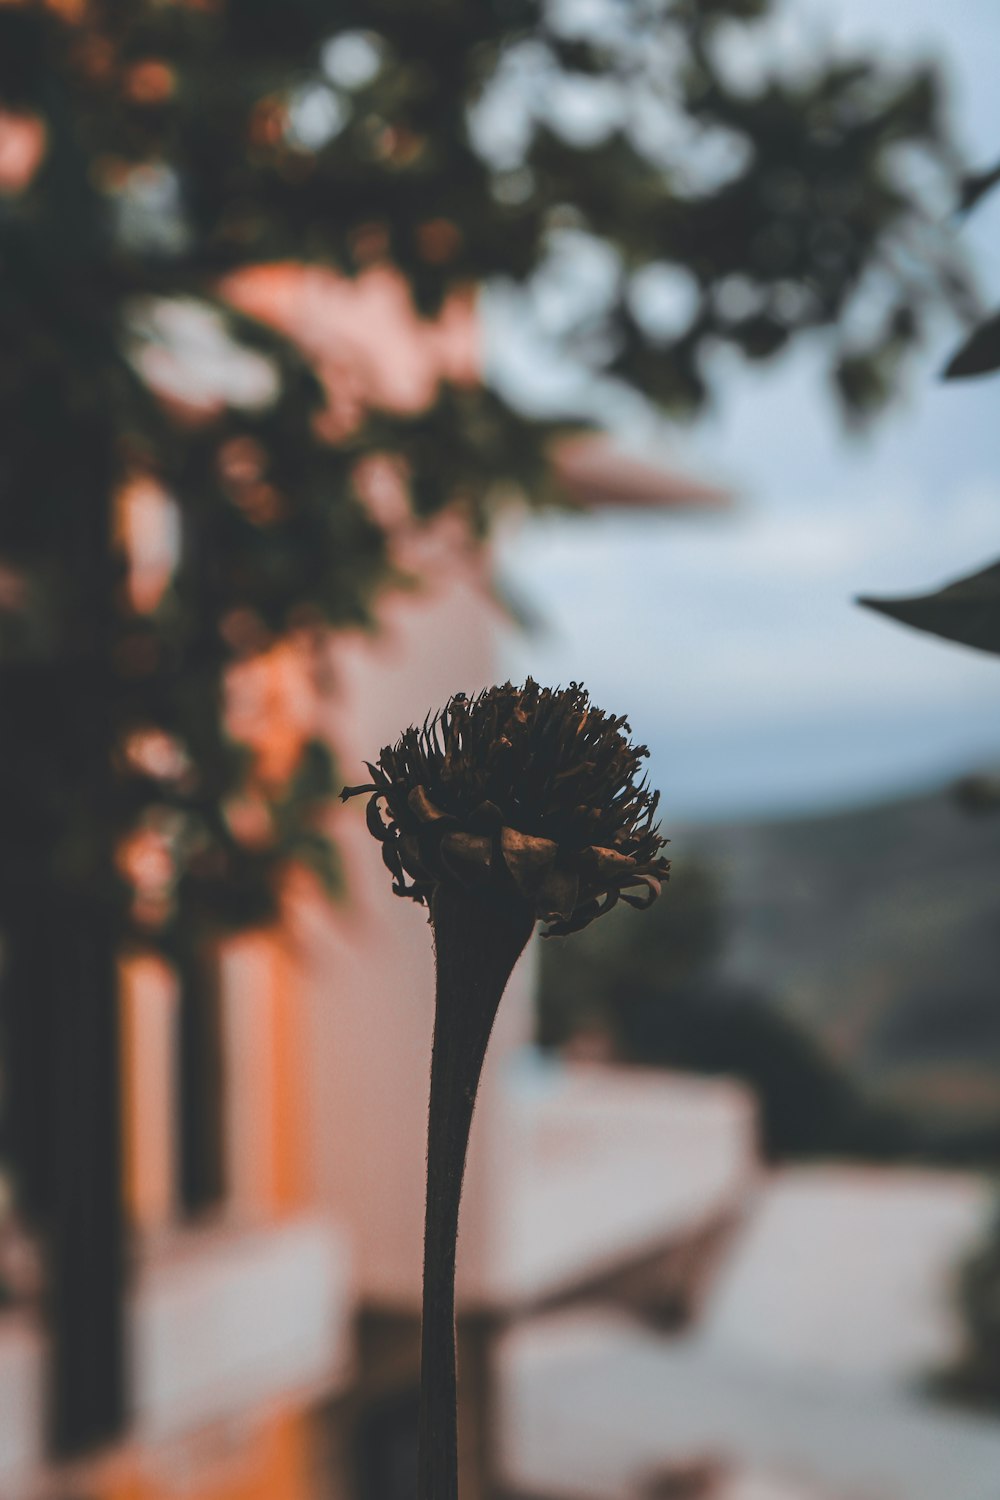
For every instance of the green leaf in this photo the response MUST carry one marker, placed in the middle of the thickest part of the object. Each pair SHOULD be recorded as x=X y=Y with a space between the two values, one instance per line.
x=967 y=611
x=980 y=354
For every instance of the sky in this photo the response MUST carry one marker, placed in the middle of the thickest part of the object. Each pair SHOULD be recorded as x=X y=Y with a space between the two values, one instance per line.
x=731 y=641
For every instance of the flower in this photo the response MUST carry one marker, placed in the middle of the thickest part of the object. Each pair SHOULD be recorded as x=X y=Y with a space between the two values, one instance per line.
x=519 y=803
x=525 y=794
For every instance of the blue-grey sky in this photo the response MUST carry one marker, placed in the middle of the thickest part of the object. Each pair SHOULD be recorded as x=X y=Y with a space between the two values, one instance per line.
x=731 y=641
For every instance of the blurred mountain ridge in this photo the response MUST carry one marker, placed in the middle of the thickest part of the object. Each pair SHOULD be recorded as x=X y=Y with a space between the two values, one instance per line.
x=879 y=930
x=845 y=966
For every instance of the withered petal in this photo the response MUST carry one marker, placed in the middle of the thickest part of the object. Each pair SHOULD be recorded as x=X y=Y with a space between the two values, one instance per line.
x=643 y=903
x=356 y=791
x=409 y=851
x=373 y=817
x=557 y=895
x=583 y=768
x=609 y=863
x=486 y=818
x=468 y=856
x=527 y=858
x=391 y=859
x=423 y=808
x=587 y=912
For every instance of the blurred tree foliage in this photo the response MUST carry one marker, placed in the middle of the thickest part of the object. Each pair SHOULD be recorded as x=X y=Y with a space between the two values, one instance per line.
x=974 y=1377
x=164 y=145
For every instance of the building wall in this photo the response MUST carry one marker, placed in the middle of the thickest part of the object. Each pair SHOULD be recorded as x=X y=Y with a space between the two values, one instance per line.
x=326 y=1029
x=369 y=964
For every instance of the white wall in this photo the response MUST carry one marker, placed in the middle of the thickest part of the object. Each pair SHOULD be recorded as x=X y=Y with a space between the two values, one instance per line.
x=370 y=967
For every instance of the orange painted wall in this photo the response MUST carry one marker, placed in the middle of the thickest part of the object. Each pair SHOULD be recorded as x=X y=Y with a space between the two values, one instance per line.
x=265 y=1120
x=276 y=1460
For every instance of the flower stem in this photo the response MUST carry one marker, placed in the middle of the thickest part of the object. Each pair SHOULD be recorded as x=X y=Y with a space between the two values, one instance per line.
x=477 y=941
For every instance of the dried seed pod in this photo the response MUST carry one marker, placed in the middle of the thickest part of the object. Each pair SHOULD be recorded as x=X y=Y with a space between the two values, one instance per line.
x=528 y=793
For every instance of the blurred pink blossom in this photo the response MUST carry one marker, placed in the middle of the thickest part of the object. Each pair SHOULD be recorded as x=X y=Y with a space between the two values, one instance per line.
x=23 y=138
x=366 y=339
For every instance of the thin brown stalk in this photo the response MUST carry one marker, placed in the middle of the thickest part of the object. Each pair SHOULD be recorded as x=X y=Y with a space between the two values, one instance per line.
x=477 y=941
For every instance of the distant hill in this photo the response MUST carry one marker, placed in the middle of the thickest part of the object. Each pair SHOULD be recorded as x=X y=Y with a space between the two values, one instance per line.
x=846 y=967
x=878 y=930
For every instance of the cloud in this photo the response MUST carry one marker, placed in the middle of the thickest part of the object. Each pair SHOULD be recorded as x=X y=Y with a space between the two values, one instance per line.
x=740 y=631
x=755 y=616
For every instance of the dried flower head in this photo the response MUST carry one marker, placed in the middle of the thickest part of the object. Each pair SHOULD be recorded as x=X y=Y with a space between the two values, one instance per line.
x=528 y=793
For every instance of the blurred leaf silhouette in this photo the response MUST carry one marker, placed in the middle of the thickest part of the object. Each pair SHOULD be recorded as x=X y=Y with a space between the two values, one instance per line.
x=980 y=354
x=976 y=185
x=974 y=1377
x=967 y=611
